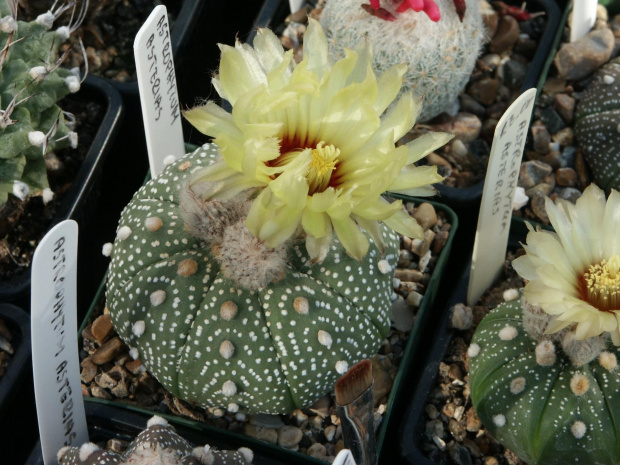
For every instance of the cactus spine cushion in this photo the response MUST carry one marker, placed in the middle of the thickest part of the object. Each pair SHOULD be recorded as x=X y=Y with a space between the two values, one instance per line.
x=176 y=298
x=536 y=402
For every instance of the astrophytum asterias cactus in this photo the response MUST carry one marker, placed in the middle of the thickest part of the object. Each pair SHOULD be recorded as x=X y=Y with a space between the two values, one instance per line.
x=158 y=444
x=597 y=125
x=544 y=369
x=213 y=342
x=440 y=55
x=31 y=82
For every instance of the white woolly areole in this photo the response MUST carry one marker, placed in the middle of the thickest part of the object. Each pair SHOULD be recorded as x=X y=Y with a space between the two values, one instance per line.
x=248 y=455
x=473 y=350
x=229 y=388
x=106 y=250
x=228 y=310
x=545 y=353
x=342 y=367
x=169 y=159
x=63 y=450
x=73 y=139
x=462 y=317
x=133 y=353
x=37 y=138
x=384 y=266
x=64 y=32
x=325 y=338
x=157 y=420
x=510 y=294
x=579 y=384
x=508 y=333
x=608 y=361
x=47 y=195
x=499 y=420
x=301 y=305
x=123 y=233
x=519 y=199
x=158 y=297
x=46 y=20
x=232 y=408
x=37 y=72
x=8 y=24
x=204 y=454
x=607 y=79
x=86 y=449
x=517 y=385
x=138 y=328
x=227 y=349
x=73 y=84
x=153 y=223
x=20 y=190
x=578 y=429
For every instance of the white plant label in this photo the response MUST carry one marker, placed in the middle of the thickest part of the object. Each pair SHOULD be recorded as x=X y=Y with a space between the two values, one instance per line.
x=583 y=18
x=295 y=5
x=158 y=91
x=498 y=194
x=55 y=363
x=344 y=457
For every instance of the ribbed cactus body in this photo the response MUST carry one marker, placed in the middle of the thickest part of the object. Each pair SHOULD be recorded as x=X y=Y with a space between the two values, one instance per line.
x=34 y=99
x=597 y=125
x=546 y=410
x=440 y=55
x=214 y=343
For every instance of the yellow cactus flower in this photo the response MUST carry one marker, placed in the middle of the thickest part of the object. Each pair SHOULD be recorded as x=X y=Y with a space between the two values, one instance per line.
x=314 y=139
x=574 y=273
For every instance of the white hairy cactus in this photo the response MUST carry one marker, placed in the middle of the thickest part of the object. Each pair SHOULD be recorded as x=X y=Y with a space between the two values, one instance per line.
x=440 y=55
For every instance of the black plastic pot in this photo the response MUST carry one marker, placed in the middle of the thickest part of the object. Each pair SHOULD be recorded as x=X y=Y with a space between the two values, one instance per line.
x=412 y=429
x=81 y=201
x=398 y=399
x=18 y=323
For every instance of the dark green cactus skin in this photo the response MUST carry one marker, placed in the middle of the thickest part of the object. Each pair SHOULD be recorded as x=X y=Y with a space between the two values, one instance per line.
x=19 y=159
x=278 y=364
x=538 y=420
x=597 y=126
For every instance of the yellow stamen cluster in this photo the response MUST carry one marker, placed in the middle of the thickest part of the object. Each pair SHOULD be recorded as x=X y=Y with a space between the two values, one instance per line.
x=324 y=159
x=603 y=284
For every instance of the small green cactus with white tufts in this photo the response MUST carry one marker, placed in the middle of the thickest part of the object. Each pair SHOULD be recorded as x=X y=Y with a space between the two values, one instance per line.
x=543 y=369
x=157 y=444
x=597 y=125
x=31 y=84
x=440 y=55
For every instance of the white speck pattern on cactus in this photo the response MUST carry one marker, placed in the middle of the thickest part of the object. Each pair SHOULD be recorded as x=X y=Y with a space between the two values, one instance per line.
x=540 y=419
x=597 y=126
x=278 y=363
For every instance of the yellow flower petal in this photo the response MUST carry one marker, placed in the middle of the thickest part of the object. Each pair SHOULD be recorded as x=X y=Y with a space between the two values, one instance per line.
x=352 y=239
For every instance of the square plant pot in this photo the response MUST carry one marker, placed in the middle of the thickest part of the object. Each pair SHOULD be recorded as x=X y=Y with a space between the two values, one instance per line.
x=398 y=396
x=81 y=199
x=18 y=324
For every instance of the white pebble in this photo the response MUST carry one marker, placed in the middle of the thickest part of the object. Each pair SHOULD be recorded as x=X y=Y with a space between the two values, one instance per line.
x=37 y=138
x=106 y=250
x=123 y=233
x=510 y=294
x=473 y=350
x=342 y=367
x=325 y=338
x=519 y=199
x=607 y=79
x=158 y=297
x=508 y=333
x=229 y=388
x=578 y=429
x=424 y=261
x=499 y=420
x=384 y=266
x=138 y=328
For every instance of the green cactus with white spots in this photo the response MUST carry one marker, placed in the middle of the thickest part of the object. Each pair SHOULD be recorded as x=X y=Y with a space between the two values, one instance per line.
x=548 y=398
x=222 y=320
x=597 y=125
x=159 y=444
x=31 y=84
